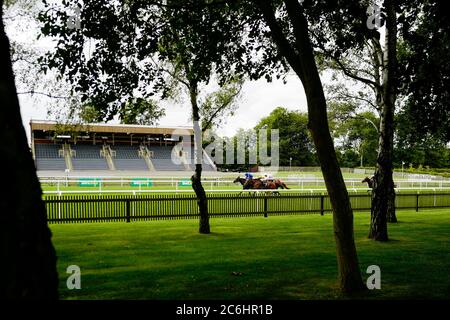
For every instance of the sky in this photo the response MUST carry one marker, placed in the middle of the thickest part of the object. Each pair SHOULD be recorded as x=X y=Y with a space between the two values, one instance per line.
x=258 y=99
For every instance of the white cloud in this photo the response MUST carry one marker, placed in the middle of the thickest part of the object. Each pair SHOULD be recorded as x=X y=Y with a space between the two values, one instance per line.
x=258 y=99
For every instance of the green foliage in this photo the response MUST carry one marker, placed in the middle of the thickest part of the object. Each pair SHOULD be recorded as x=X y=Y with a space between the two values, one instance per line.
x=425 y=71
x=89 y=114
x=295 y=140
x=220 y=104
x=355 y=133
x=140 y=111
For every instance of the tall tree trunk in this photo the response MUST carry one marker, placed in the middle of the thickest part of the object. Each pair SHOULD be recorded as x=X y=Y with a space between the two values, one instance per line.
x=198 y=151
x=391 y=215
x=383 y=194
x=305 y=67
x=28 y=259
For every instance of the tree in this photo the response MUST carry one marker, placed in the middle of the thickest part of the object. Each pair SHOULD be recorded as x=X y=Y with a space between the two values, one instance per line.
x=27 y=254
x=296 y=47
x=425 y=149
x=295 y=141
x=356 y=131
x=20 y=18
x=424 y=70
x=129 y=61
x=375 y=67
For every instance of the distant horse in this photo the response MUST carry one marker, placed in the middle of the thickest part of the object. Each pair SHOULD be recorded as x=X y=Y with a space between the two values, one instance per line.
x=369 y=181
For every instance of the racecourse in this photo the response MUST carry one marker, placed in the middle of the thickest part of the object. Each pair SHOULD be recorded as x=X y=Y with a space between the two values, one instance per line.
x=163 y=182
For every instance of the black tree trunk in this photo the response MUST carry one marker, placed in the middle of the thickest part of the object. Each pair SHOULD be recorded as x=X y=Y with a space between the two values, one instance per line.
x=196 y=178
x=391 y=215
x=201 y=199
x=28 y=259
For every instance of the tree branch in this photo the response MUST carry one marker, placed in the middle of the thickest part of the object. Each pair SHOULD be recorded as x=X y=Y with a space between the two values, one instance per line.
x=280 y=39
x=32 y=92
x=171 y=73
x=350 y=74
x=368 y=120
x=345 y=95
x=208 y=122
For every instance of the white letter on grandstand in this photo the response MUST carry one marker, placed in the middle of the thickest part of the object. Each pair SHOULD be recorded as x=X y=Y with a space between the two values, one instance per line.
x=181 y=148
x=274 y=158
x=215 y=146
x=198 y=151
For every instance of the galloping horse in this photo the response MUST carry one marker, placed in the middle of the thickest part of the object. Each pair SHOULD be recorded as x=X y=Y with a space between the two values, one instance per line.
x=275 y=184
x=261 y=185
x=250 y=183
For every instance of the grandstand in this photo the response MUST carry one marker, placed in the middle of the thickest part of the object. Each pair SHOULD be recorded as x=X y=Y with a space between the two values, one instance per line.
x=111 y=148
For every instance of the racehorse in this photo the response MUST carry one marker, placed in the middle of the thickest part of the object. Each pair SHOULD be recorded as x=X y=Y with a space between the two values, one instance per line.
x=275 y=184
x=249 y=183
x=369 y=181
x=260 y=185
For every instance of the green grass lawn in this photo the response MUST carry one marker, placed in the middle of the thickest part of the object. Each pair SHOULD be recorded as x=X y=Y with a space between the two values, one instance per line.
x=283 y=257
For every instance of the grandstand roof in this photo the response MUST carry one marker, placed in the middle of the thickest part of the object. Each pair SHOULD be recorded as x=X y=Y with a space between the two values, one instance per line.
x=47 y=125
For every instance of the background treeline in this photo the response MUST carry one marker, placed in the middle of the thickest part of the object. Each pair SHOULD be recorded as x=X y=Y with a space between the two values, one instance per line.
x=356 y=140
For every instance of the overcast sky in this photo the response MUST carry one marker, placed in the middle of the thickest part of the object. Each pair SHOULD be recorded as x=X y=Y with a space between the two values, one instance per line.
x=258 y=98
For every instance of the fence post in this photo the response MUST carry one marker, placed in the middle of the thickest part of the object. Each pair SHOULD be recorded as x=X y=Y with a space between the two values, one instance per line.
x=321 y=204
x=417 y=202
x=128 y=211
x=265 y=206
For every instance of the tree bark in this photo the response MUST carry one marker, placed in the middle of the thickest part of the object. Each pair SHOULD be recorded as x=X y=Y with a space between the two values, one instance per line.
x=28 y=259
x=383 y=193
x=305 y=67
x=196 y=178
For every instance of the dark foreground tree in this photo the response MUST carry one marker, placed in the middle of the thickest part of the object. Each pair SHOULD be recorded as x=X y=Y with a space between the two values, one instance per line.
x=28 y=259
x=424 y=54
x=297 y=49
x=374 y=66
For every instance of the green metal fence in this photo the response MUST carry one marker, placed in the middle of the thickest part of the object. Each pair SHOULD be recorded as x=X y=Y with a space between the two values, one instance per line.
x=102 y=208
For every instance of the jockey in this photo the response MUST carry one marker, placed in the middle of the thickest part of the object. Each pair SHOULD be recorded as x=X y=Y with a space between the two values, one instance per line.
x=267 y=177
x=248 y=176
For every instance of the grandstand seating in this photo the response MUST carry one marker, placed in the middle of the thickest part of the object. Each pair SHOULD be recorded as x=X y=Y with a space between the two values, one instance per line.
x=127 y=158
x=47 y=157
x=87 y=157
x=162 y=159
